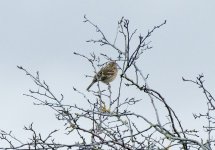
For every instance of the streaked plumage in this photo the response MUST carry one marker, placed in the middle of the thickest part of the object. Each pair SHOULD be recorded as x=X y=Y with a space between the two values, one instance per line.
x=107 y=74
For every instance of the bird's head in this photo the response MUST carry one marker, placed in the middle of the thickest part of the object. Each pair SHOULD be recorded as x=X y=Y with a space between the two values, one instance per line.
x=112 y=64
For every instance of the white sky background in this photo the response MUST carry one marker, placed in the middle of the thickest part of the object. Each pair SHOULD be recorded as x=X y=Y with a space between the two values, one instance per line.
x=42 y=36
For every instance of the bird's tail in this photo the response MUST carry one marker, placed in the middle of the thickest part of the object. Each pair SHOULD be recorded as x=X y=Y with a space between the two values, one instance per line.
x=90 y=86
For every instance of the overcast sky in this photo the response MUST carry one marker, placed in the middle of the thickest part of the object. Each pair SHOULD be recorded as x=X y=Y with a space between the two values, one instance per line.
x=42 y=36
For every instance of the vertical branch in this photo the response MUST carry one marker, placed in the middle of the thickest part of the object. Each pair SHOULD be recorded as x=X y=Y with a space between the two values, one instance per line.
x=150 y=96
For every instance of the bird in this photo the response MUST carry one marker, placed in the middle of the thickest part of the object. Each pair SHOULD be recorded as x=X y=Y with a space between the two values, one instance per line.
x=106 y=74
